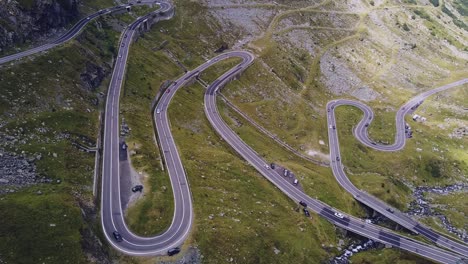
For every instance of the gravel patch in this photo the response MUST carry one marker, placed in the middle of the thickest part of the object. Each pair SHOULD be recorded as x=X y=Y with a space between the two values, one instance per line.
x=251 y=21
x=341 y=80
x=17 y=171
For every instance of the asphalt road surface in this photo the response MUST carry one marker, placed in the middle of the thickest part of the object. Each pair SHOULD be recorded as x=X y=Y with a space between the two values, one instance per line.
x=111 y=207
x=361 y=134
x=71 y=33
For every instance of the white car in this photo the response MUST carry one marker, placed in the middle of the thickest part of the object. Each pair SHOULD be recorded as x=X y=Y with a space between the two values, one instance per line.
x=339 y=215
x=158 y=111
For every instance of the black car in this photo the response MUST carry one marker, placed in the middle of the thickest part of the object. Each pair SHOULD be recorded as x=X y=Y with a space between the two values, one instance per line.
x=273 y=166
x=173 y=251
x=337 y=158
x=117 y=236
x=367 y=124
x=334 y=127
x=303 y=203
x=390 y=210
x=306 y=212
x=137 y=188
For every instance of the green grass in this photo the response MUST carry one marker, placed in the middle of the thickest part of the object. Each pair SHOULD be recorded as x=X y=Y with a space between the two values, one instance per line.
x=456 y=212
x=46 y=92
x=311 y=176
x=247 y=211
x=250 y=216
x=387 y=177
x=46 y=228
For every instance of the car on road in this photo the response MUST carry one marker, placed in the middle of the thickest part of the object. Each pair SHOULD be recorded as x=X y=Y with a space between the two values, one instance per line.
x=158 y=111
x=339 y=215
x=373 y=143
x=168 y=90
x=390 y=210
x=303 y=203
x=337 y=158
x=273 y=166
x=306 y=212
x=173 y=251
x=137 y=188
x=367 y=124
x=117 y=236
x=120 y=55
x=296 y=181
x=267 y=167
x=334 y=127
x=368 y=221
x=123 y=45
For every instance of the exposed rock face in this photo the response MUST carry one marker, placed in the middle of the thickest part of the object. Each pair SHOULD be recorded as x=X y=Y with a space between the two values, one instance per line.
x=93 y=76
x=22 y=21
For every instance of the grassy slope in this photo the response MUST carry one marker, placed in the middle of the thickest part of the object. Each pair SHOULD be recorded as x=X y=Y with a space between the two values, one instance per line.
x=238 y=213
x=50 y=227
x=290 y=117
x=383 y=179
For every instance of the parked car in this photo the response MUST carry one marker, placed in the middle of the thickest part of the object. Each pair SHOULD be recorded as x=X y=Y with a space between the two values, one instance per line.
x=137 y=188
x=117 y=236
x=295 y=182
x=306 y=212
x=303 y=203
x=173 y=251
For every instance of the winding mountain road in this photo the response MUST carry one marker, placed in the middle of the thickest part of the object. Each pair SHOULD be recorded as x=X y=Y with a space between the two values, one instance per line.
x=112 y=212
x=70 y=34
x=361 y=133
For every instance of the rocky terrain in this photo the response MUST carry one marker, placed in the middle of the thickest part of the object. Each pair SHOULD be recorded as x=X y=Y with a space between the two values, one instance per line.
x=24 y=21
x=423 y=207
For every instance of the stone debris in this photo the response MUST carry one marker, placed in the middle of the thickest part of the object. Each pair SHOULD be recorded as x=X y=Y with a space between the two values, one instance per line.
x=18 y=171
x=421 y=207
x=354 y=248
